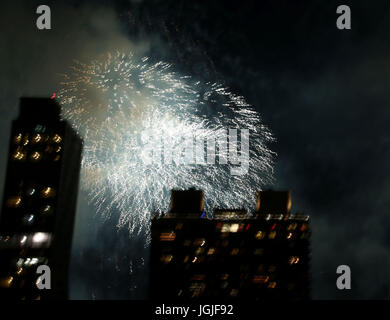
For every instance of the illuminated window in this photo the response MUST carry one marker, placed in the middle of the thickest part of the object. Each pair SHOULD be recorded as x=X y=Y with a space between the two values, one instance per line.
x=200 y=242
x=6 y=282
x=57 y=138
x=167 y=258
x=167 y=236
x=19 y=154
x=30 y=191
x=272 y=285
x=199 y=251
x=292 y=226
x=234 y=251
x=23 y=240
x=18 y=138
x=47 y=209
x=41 y=239
x=293 y=260
x=260 y=279
x=234 y=227
x=289 y=235
x=272 y=235
x=26 y=140
x=234 y=293
x=211 y=251
x=36 y=138
x=227 y=227
x=260 y=235
x=48 y=192
x=14 y=202
x=36 y=156
x=197 y=288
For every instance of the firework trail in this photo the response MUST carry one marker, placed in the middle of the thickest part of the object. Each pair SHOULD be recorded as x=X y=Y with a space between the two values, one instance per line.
x=113 y=101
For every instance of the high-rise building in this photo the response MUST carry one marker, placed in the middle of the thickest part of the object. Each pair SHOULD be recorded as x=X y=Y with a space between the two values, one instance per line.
x=39 y=201
x=235 y=255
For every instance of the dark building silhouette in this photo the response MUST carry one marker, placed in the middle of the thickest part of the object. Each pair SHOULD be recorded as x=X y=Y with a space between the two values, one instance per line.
x=232 y=256
x=39 y=202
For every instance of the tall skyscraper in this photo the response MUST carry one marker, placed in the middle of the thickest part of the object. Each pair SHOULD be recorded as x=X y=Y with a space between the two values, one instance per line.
x=235 y=255
x=39 y=202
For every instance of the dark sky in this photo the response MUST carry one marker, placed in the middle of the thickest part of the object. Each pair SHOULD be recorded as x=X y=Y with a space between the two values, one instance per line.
x=323 y=92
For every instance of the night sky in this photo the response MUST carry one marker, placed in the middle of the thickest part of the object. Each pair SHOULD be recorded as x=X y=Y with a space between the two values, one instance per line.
x=324 y=93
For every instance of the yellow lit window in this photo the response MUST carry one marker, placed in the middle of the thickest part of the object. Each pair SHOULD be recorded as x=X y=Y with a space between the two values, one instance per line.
x=200 y=242
x=48 y=192
x=211 y=251
x=36 y=156
x=6 y=282
x=14 y=202
x=272 y=235
x=199 y=251
x=57 y=138
x=166 y=258
x=167 y=236
x=272 y=285
x=26 y=140
x=293 y=260
x=234 y=251
x=260 y=235
x=260 y=279
x=289 y=235
x=234 y=227
x=18 y=138
x=19 y=154
x=292 y=226
x=36 y=138
x=225 y=227
x=234 y=293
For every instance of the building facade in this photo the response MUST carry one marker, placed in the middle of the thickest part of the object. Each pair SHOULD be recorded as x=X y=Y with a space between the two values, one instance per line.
x=262 y=256
x=39 y=201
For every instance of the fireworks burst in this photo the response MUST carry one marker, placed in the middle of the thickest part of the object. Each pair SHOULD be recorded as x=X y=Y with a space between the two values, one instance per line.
x=114 y=101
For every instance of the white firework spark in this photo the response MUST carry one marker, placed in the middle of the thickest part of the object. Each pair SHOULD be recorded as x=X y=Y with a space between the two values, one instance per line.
x=113 y=101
